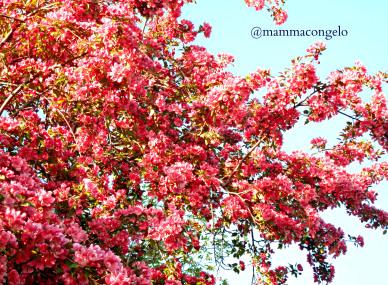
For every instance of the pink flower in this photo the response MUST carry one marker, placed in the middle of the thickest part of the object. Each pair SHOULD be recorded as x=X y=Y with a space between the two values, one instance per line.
x=13 y=277
x=207 y=29
x=76 y=232
x=280 y=16
x=242 y=265
x=3 y=268
x=316 y=49
x=319 y=142
x=257 y=4
x=360 y=241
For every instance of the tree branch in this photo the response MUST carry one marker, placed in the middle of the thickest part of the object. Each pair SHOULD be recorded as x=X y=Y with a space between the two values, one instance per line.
x=241 y=162
x=317 y=89
x=349 y=116
x=9 y=98
x=11 y=18
x=6 y=38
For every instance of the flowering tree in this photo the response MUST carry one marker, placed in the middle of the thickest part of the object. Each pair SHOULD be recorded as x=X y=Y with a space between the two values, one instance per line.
x=127 y=153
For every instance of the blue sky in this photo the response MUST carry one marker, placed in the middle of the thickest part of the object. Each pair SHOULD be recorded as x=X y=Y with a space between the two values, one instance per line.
x=367 y=41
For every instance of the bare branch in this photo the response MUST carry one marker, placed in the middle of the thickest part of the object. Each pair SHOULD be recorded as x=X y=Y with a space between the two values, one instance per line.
x=349 y=116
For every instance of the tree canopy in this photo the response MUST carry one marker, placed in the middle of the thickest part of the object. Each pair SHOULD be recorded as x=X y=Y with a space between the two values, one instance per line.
x=129 y=154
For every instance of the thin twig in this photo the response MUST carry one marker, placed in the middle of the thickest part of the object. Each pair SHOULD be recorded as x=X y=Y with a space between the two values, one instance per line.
x=304 y=100
x=349 y=116
x=317 y=89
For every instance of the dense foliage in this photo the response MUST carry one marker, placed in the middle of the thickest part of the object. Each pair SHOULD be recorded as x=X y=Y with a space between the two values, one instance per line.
x=128 y=154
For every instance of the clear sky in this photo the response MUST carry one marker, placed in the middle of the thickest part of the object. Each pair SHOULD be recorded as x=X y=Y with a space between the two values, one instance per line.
x=367 y=41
